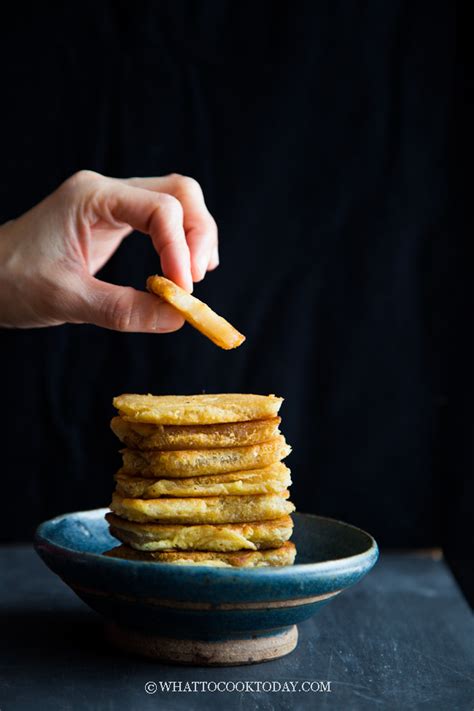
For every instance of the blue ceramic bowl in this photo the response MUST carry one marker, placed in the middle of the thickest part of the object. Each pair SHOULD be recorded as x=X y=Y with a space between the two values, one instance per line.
x=204 y=615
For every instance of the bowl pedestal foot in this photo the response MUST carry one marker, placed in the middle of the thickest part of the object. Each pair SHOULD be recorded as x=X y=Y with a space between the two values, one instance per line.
x=202 y=652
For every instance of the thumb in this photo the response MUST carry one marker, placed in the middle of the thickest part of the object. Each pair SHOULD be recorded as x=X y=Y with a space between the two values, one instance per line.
x=122 y=308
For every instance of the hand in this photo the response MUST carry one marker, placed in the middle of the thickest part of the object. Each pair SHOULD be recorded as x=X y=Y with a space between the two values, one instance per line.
x=49 y=255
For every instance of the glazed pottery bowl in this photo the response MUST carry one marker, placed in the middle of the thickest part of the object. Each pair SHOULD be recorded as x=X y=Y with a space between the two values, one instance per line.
x=199 y=614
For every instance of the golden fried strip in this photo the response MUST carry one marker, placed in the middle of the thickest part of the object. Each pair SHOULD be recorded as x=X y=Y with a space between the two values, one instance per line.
x=196 y=312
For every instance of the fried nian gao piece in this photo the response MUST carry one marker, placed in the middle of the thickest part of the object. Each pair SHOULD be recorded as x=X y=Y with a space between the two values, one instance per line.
x=284 y=555
x=196 y=312
x=268 y=480
x=255 y=535
x=208 y=409
x=140 y=435
x=155 y=464
x=209 y=509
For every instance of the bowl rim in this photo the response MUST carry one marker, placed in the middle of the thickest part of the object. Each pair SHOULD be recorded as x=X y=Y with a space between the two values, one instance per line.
x=367 y=557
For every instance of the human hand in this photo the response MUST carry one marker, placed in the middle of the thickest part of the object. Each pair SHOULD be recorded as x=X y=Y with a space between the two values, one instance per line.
x=49 y=255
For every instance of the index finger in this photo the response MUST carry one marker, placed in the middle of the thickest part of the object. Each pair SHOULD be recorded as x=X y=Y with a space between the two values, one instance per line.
x=199 y=225
x=156 y=214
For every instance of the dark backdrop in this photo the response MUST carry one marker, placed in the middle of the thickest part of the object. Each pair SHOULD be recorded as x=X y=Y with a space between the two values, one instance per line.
x=322 y=134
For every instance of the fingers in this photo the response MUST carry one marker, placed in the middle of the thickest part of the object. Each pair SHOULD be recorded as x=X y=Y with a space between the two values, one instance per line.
x=123 y=309
x=199 y=225
x=158 y=214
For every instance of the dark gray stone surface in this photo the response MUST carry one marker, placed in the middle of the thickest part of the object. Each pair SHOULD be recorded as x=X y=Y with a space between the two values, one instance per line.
x=403 y=638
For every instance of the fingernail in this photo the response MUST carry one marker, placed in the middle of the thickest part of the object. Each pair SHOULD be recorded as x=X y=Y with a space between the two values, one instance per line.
x=201 y=266
x=215 y=257
x=186 y=282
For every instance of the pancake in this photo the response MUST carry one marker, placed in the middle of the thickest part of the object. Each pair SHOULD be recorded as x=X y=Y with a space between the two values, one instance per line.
x=196 y=312
x=269 y=480
x=152 y=463
x=225 y=537
x=197 y=409
x=284 y=555
x=210 y=509
x=139 y=435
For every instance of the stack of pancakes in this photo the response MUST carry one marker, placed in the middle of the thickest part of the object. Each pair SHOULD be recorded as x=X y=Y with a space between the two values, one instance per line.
x=202 y=481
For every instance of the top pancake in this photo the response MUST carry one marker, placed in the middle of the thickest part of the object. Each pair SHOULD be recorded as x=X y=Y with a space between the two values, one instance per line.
x=196 y=409
x=141 y=435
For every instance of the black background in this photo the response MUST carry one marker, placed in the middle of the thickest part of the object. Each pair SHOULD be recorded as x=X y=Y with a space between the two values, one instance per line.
x=324 y=135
